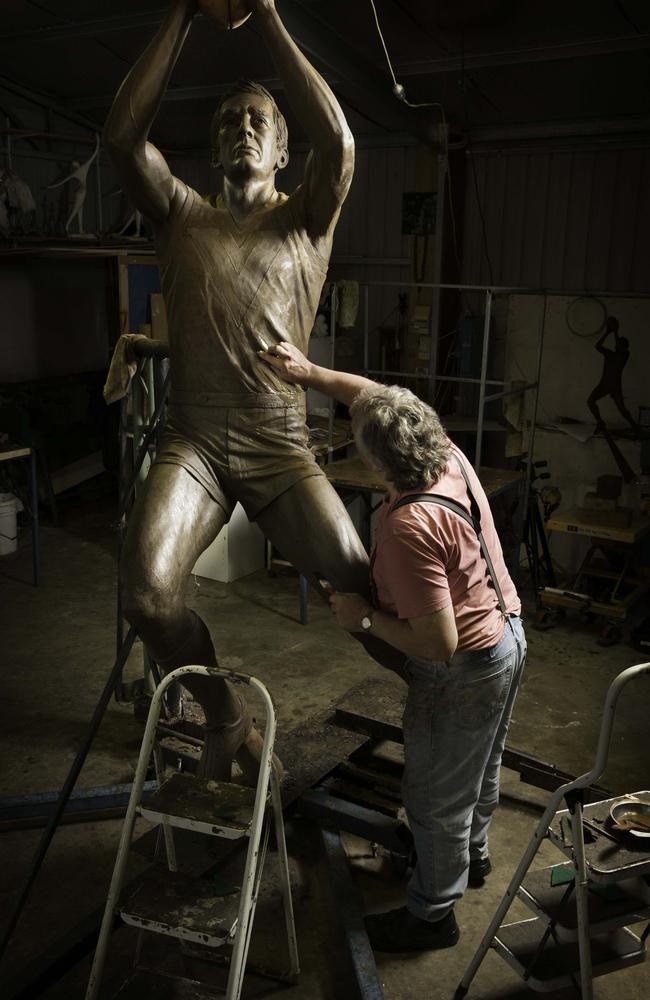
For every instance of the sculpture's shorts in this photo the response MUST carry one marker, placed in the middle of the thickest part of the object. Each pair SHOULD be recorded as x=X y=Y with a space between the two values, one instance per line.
x=249 y=453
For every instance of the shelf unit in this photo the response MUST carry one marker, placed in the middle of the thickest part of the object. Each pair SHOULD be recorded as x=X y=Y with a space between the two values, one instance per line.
x=490 y=390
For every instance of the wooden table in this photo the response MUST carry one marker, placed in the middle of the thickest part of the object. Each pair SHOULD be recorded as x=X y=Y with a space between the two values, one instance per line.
x=8 y=454
x=319 y=442
x=352 y=473
x=351 y=477
x=629 y=528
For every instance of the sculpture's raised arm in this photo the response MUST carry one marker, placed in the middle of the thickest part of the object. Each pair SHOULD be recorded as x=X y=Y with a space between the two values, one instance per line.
x=143 y=171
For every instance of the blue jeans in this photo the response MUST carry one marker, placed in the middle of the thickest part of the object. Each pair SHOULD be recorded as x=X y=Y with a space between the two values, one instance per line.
x=455 y=725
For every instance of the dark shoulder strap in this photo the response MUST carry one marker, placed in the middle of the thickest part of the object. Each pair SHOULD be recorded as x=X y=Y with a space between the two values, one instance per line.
x=474 y=519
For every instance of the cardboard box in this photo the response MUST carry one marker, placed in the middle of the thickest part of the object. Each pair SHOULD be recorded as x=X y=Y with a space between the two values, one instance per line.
x=238 y=550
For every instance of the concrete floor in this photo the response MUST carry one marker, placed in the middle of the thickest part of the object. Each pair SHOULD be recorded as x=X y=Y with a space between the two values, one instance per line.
x=59 y=643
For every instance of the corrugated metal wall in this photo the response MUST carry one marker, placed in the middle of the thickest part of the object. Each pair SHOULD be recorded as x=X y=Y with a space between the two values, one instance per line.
x=368 y=244
x=563 y=220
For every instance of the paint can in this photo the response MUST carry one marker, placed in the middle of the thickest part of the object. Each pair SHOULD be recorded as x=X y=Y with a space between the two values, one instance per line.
x=8 y=528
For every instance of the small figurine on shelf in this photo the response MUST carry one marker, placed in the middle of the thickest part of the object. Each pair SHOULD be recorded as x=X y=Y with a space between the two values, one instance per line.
x=78 y=175
x=133 y=219
x=17 y=205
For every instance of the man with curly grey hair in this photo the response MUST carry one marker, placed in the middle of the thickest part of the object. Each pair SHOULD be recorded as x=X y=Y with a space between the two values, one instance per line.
x=444 y=598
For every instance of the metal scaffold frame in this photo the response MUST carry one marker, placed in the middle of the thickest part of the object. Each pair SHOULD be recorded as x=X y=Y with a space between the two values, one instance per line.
x=432 y=377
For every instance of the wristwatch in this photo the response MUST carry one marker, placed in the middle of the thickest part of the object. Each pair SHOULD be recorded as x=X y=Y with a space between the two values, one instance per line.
x=366 y=621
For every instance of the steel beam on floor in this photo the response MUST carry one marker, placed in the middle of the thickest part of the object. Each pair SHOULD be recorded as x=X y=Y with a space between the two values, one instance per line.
x=84 y=805
x=339 y=814
x=348 y=908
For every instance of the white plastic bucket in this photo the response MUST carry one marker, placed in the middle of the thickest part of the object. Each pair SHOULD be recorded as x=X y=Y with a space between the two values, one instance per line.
x=8 y=529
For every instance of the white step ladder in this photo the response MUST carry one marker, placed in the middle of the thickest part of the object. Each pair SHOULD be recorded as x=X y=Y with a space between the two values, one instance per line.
x=582 y=908
x=168 y=902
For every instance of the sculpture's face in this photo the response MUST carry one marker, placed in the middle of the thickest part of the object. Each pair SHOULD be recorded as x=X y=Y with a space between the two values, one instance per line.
x=247 y=139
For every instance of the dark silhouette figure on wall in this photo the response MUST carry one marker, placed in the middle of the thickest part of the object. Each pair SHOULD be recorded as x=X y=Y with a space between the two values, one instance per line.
x=611 y=380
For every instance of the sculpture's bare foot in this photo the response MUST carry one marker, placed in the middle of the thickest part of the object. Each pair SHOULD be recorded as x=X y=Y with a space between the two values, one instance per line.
x=221 y=743
x=238 y=740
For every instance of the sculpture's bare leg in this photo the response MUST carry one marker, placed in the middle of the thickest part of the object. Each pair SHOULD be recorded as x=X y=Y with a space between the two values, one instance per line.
x=173 y=521
x=312 y=529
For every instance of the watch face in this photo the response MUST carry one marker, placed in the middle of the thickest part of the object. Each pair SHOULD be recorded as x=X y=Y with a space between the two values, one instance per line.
x=366 y=623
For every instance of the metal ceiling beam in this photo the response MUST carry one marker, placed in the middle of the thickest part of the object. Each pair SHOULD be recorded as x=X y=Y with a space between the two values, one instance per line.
x=48 y=102
x=83 y=28
x=446 y=64
x=518 y=57
x=173 y=94
x=359 y=82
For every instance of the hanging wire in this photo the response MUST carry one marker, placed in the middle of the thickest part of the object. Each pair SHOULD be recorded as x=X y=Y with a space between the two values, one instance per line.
x=398 y=88
x=400 y=94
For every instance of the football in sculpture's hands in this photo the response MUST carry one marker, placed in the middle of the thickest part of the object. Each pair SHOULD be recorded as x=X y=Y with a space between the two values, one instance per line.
x=228 y=14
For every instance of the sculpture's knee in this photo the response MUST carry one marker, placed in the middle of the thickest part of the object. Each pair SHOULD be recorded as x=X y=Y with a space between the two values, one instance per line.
x=147 y=604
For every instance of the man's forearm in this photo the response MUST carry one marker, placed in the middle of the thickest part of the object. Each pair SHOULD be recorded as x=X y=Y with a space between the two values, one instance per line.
x=139 y=97
x=311 y=100
x=342 y=386
x=398 y=633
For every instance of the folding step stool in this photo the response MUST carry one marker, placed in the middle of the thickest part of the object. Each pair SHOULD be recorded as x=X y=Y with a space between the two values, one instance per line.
x=220 y=809
x=589 y=901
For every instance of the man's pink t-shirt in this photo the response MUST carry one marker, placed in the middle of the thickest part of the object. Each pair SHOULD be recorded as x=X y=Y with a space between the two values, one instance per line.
x=427 y=557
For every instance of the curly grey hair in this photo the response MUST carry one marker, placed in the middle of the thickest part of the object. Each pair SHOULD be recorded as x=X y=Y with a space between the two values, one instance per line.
x=401 y=435
x=249 y=87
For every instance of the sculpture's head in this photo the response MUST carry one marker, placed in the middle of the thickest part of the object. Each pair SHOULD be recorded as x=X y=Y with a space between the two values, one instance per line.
x=248 y=135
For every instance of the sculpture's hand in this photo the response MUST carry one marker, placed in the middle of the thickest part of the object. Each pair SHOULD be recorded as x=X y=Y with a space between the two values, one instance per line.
x=290 y=363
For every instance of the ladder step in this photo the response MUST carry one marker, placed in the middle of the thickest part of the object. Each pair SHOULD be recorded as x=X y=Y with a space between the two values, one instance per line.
x=610 y=906
x=200 y=910
x=219 y=808
x=517 y=943
x=610 y=855
x=156 y=986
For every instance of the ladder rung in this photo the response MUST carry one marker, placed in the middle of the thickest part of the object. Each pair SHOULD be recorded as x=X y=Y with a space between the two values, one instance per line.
x=610 y=906
x=517 y=943
x=157 y=986
x=192 y=909
x=221 y=809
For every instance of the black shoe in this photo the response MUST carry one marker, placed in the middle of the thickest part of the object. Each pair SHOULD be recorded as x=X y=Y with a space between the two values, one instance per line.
x=479 y=869
x=400 y=930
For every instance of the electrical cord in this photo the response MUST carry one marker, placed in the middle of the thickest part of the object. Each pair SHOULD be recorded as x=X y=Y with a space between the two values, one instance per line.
x=400 y=93
x=398 y=88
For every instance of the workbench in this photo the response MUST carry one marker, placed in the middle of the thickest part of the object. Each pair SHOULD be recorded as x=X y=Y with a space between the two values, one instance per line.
x=608 y=587
x=351 y=478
